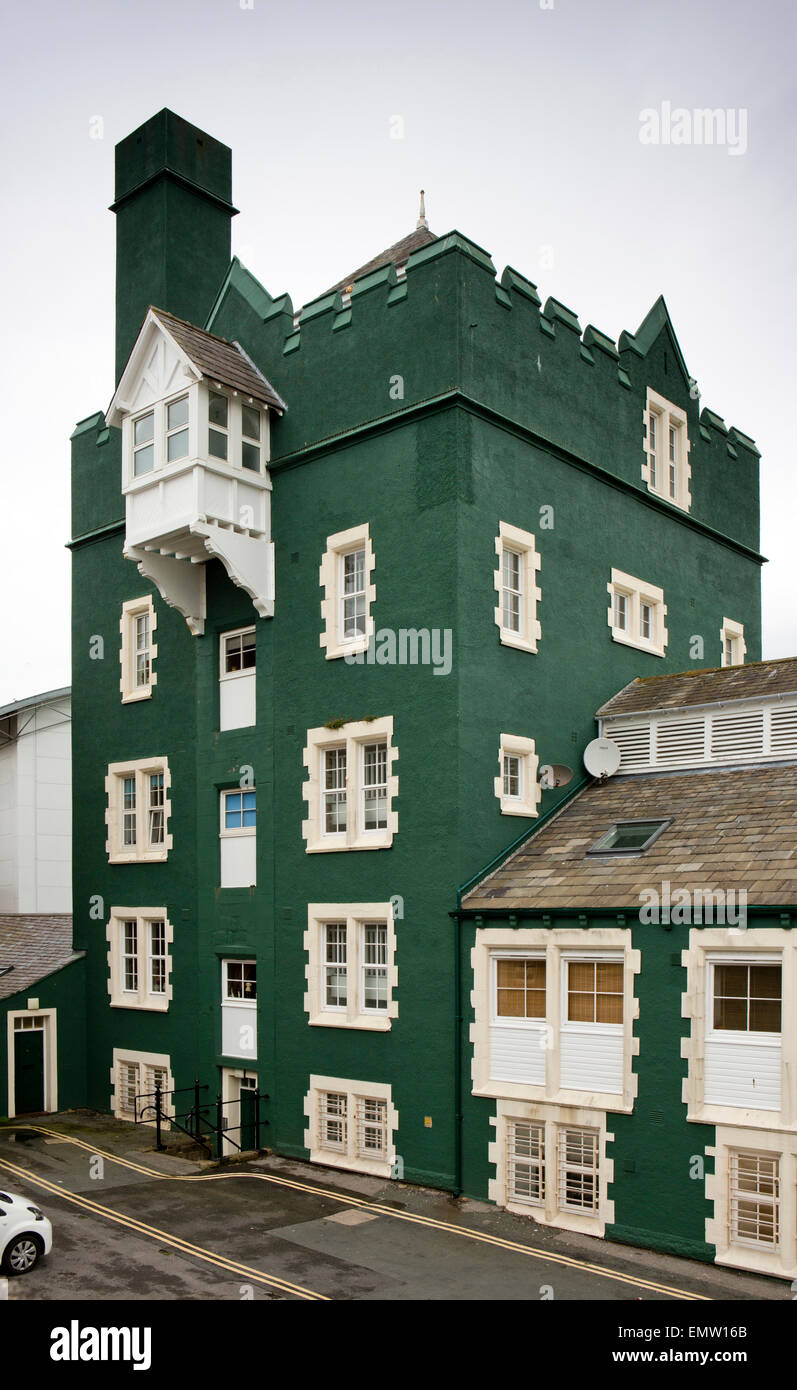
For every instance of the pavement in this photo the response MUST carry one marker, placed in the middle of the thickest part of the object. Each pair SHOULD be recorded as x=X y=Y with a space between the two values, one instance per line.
x=133 y=1224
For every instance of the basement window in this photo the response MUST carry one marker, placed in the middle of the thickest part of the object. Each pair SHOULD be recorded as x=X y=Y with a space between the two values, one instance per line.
x=629 y=837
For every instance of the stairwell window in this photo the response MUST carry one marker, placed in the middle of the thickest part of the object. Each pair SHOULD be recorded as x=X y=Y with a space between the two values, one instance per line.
x=138 y=811
x=733 y=643
x=346 y=579
x=351 y=787
x=238 y=838
x=637 y=613
x=237 y=688
x=138 y=649
x=515 y=582
x=666 y=467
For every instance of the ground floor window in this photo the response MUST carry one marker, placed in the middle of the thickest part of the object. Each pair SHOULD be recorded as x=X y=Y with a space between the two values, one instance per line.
x=550 y=1163
x=526 y=1162
x=351 y=1124
x=578 y=1170
x=754 y=1205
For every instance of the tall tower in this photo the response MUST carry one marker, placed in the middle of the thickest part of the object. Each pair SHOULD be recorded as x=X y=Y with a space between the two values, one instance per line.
x=173 y=208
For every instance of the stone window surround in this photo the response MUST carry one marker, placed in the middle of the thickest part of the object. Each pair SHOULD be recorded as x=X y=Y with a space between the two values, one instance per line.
x=353 y=914
x=142 y=999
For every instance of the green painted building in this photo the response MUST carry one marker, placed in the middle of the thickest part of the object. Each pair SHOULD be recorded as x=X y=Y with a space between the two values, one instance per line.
x=349 y=582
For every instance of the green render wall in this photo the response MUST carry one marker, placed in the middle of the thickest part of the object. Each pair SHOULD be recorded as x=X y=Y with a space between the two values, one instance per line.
x=433 y=474
x=65 y=991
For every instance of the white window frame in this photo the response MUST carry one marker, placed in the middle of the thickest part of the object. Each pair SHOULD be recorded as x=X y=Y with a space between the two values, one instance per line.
x=353 y=736
x=160 y=411
x=753 y=946
x=227 y=832
x=732 y=1250
x=249 y=1002
x=590 y=957
x=332 y=638
x=734 y=633
x=349 y=1152
x=146 y=1063
x=527 y=803
x=522 y=543
x=657 y=477
x=354 y=917
x=223 y=639
x=550 y=1207
x=132 y=610
x=143 y=997
x=558 y=946
x=636 y=592
x=142 y=852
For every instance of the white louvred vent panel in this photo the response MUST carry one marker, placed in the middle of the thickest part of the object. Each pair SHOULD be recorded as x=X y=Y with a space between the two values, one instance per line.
x=783 y=730
x=737 y=735
x=634 y=744
x=681 y=741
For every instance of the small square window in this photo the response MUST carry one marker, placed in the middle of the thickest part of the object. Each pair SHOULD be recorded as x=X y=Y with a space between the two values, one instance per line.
x=629 y=837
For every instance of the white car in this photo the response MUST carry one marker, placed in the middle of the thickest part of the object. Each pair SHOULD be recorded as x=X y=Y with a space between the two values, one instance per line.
x=25 y=1233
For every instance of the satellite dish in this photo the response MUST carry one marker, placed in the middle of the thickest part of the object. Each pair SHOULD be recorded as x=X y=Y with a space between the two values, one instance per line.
x=555 y=775
x=601 y=758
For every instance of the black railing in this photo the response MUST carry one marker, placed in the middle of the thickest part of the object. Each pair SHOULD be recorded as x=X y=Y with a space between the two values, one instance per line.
x=205 y=1121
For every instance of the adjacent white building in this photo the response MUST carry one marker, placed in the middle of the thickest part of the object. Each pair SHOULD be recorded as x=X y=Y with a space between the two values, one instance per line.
x=36 y=804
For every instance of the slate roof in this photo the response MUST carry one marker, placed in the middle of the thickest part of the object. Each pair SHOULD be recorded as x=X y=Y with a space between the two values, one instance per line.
x=36 y=945
x=729 y=830
x=220 y=360
x=399 y=254
x=759 y=678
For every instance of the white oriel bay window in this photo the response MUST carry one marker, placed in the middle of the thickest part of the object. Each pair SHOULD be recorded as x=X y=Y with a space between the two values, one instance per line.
x=351 y=1124
x=203 y=421
x=516 y=785
x=515 y=582
x=345 y=577
x=666 y=467
x=239 y=1008
x=135 y=1078
x=733 y=643
x=238 y=838
x=138 y=811
x=554 y=1011
x=139 y=962
x=350 y=787
x=138 y=649
x=351 y=972
x=637 y=613
x=237 y=693
x=741 y=995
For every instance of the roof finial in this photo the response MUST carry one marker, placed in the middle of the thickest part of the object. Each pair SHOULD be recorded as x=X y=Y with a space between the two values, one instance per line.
x=422 y=216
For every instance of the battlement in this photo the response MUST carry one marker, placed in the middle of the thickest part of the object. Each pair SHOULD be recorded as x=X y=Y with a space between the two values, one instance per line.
x=449 y=324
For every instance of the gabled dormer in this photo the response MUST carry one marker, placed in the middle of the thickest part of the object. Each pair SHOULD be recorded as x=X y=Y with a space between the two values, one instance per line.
x=195 y=417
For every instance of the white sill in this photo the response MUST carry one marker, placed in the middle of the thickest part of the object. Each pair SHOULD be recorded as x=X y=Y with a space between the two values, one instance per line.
x=376 y=1167
x=518 y=808
x=150 y=1005
x=354 y=648
x=618 y=635
x=238 y=675
x=516 y=639
x=145 y=693
x=360 y=1022
x=146 y=857
x=340 y=846
x=665 y=497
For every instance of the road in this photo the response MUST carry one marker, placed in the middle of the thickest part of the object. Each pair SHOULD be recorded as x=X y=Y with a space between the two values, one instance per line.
x=132 y=1224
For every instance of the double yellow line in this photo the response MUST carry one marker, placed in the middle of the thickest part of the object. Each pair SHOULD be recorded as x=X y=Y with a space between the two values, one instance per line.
x=184 y=1246
x=377 y=1208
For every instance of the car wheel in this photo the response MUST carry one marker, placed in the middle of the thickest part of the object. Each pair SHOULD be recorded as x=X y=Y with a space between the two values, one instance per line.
x=22 y=1254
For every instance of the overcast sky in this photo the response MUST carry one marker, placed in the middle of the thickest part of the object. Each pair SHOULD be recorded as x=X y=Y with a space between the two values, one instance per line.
x=521 y=120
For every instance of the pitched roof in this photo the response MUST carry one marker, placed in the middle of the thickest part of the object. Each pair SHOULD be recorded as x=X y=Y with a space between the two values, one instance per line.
x=758 y=679
x=36 y=945
x=399 y=254
x=220 y=360
x=729 y=830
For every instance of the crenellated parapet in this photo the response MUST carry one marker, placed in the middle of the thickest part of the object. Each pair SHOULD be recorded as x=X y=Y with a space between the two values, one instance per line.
x=449 y=324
